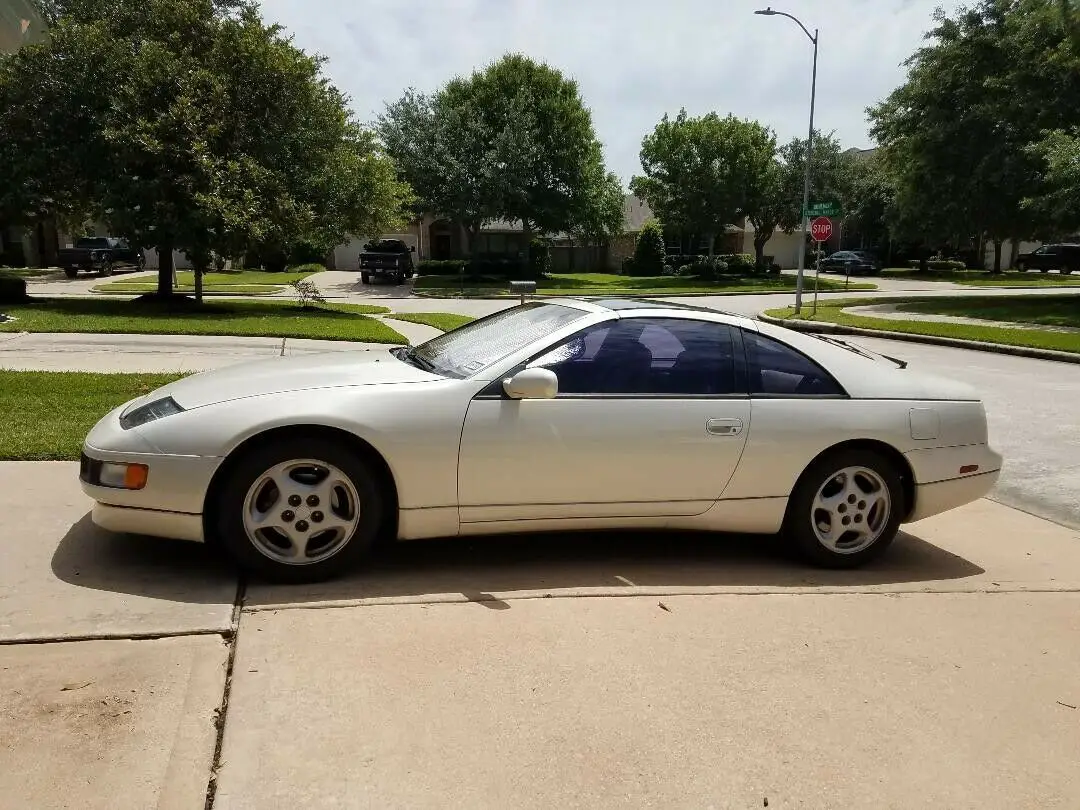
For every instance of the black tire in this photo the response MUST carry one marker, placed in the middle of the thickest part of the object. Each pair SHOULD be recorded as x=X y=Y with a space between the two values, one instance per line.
x=71 y=272
x=799 y=526
x=1066 y=270
x=107 y=268
x=365 y=278
x=229 y=505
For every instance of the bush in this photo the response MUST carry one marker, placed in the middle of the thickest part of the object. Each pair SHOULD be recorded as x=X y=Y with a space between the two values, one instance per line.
x=649 y=251
x=774 y=269
x=435 y=267
x=539 y=259
x=628 y=266
x=740 y=263
x=12 y=289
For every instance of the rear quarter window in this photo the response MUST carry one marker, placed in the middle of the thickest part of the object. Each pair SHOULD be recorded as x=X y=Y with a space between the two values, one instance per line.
x=778 y=370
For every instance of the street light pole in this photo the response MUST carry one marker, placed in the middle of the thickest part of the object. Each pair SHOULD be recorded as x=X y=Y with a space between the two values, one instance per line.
x=805 y=213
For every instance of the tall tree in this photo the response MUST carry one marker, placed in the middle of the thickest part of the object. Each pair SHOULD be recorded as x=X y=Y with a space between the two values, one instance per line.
x=191 y=125
x=512 y=141
x=956 y=135
x=779 y=206
x=701 y=174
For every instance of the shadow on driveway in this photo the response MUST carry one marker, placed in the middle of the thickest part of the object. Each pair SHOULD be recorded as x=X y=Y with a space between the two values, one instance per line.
x=479 y=567
x=142 y=566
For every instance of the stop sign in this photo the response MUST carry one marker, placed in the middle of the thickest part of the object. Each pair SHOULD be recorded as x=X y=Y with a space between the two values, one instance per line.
x=821 y=229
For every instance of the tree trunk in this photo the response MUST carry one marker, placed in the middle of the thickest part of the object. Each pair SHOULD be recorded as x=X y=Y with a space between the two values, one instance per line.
x=1014 y=252
x=997 y=256
x=712 y=244
x=165 y=270
x=761 y=238
x=198 y=272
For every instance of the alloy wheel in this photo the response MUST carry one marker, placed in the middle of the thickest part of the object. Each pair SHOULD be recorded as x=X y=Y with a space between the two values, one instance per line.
x=301 y=512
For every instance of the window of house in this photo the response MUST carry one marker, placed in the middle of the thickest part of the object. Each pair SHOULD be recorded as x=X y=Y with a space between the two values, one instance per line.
x=647 y=357
x=779 y=370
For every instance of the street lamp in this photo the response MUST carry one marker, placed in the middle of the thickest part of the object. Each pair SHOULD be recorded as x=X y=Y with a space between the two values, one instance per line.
x=769 y=12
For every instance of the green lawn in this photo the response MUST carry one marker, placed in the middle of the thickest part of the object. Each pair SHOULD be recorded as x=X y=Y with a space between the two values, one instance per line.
x=26 y=272
x=1059 y=341
x=980 y=278
x=46 y=414
x=134 y=287
x=247 y=318
x=444 y=321
x=592 y=284
x=1046 y=310
x=231 y=281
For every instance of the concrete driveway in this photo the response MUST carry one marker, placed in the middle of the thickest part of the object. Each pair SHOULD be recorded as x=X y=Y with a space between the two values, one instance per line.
x=619 y=670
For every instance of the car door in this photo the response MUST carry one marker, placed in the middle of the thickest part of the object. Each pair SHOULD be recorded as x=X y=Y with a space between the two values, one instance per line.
x=651 y=419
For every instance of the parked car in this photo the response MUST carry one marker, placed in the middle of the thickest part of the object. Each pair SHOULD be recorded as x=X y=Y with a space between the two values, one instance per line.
x=100 y=254
x=387 y=258
x=1064 y=257
x=855 y=262
x=652 y=415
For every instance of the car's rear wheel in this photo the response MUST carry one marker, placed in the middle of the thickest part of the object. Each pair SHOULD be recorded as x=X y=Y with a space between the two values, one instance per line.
x=107 y=268
x=365 y=278
x=846 y=508
x=299 y=510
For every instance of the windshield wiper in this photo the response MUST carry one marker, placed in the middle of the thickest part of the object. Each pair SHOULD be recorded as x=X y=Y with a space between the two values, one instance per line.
x=414 y=358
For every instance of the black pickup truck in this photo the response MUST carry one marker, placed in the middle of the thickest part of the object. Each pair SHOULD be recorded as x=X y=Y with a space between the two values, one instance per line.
x=388 y=258
x=99 y=254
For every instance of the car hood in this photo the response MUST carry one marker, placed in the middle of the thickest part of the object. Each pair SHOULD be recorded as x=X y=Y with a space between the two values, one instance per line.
x=280 y=375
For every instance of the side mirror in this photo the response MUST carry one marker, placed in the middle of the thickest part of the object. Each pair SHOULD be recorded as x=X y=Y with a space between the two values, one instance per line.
x=532 y=383
x=412 y=248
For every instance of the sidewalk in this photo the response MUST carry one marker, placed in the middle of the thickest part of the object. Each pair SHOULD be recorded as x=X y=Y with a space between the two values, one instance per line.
x=600 y=671
x=893 y=313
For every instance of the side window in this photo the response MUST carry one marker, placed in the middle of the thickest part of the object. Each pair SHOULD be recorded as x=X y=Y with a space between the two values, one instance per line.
x=648 y=357
x=779 y=370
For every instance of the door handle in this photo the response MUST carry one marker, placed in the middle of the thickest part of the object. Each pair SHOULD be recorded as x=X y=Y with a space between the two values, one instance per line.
x=724 y=427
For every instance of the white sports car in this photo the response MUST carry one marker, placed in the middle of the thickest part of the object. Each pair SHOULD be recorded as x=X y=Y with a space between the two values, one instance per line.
x=580 y=414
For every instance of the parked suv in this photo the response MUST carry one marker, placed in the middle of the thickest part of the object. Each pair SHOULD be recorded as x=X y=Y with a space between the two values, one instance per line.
x=99 y=254
x=1064 y=257
x=386 y=258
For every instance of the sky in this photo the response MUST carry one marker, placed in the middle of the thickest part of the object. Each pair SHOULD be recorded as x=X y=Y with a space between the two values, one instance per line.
x=633 y=60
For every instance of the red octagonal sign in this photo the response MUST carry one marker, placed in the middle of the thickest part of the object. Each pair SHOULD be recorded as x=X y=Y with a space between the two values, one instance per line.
x=821 y=229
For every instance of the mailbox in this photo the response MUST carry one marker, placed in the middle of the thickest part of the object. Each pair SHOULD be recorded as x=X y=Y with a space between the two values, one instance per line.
x=523 y=288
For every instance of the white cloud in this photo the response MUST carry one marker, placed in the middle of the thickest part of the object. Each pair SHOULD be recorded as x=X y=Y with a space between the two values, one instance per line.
x=634 y=59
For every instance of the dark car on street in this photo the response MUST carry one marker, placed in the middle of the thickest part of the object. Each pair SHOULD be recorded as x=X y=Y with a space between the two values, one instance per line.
x=99 y=254
x=1064 y=257
x=853 y=262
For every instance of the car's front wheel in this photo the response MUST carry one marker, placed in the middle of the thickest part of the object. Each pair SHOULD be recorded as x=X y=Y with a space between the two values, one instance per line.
x=71 y=272
x=846 y=508
x=299 y=510
x=365 y=278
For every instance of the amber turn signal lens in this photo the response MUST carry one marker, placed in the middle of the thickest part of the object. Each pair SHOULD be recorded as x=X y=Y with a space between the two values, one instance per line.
x=135 y=476
x=969 y=468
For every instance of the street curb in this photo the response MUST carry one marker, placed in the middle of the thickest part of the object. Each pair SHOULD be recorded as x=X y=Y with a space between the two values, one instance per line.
x=934 y=340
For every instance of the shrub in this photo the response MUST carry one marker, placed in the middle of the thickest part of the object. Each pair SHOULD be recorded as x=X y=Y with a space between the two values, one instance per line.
x=740 y=263
x=774 y=269
x=669 y=270
x=12 y=289
x=628 y=266
x=435 y=267
x=539 y=259
x=649 y=251
x=307 y=294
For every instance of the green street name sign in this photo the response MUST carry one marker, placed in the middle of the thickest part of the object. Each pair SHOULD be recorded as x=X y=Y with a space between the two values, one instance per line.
x=824 y=209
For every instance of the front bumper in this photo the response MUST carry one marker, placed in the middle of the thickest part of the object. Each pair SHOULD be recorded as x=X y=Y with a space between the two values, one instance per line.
x=152 y=522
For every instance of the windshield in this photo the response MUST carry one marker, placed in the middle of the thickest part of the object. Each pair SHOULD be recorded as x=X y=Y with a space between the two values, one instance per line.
x=93 y=242
x=479 y=345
